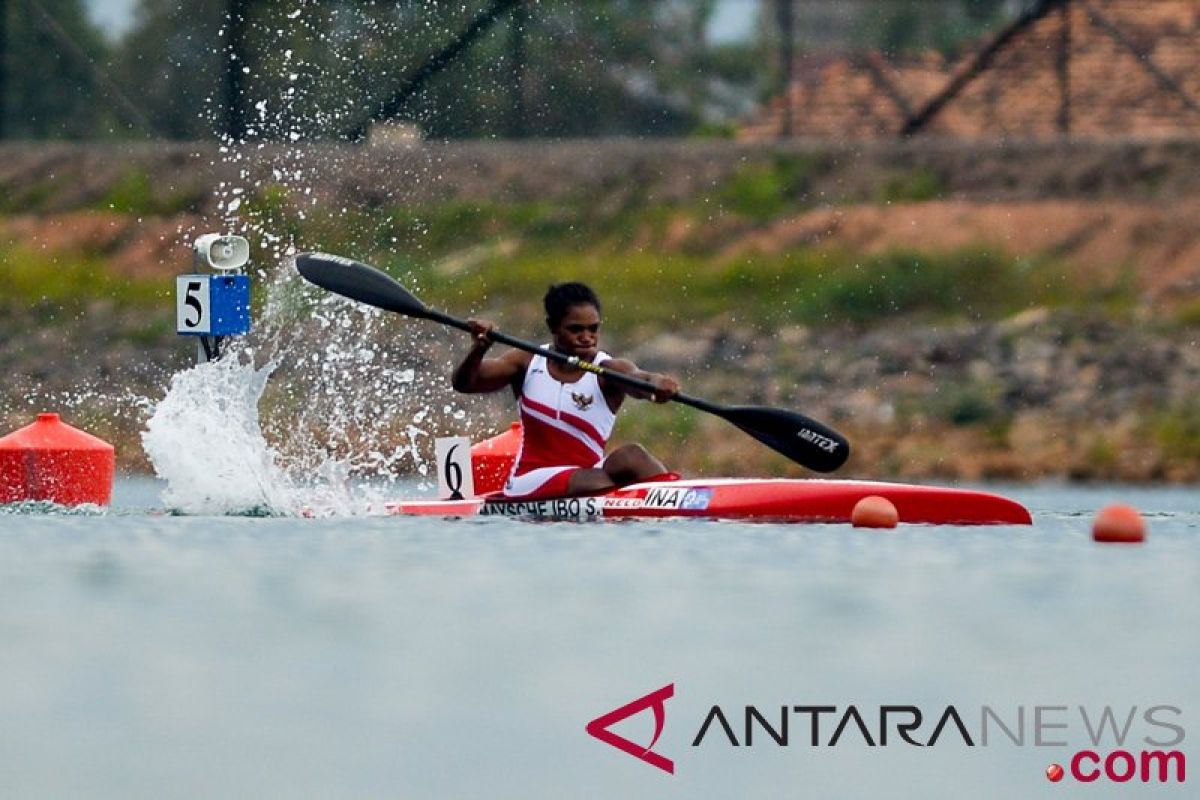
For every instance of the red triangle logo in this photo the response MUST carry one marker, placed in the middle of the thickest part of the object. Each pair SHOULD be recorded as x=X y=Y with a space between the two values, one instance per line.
x=656 y=700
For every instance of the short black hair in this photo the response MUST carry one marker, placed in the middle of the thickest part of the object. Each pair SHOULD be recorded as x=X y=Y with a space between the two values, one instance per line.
x=561 y=296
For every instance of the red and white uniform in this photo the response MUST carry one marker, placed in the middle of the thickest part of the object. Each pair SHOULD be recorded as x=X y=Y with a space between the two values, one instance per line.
x=566 y=427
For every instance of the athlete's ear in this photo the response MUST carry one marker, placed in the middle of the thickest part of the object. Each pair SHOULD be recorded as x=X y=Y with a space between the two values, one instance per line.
x=549 y=324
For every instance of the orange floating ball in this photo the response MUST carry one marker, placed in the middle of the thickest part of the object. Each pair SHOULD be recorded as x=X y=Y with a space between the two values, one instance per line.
x=874 y=512
x=1119 y=523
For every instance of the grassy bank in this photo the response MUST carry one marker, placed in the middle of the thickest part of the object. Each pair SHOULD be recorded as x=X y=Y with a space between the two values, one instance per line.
x=663 y=265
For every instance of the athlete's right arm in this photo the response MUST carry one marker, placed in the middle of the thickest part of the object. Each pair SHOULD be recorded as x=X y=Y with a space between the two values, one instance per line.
x=476 y=374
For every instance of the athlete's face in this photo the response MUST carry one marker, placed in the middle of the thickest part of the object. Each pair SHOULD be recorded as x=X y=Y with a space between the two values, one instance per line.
x=579 y=331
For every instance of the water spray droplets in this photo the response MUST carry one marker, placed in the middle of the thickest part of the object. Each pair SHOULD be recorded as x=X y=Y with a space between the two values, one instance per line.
x=353 y=394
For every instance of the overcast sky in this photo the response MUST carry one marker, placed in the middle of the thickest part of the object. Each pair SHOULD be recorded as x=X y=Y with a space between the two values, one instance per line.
x=734 y=19
x=112 y=15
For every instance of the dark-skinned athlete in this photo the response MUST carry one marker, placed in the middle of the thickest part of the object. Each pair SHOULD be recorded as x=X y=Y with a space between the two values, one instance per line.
x=567 y=414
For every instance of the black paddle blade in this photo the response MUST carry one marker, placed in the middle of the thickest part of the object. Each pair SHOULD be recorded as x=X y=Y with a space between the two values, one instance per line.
x=360 y=282
x=801 y=439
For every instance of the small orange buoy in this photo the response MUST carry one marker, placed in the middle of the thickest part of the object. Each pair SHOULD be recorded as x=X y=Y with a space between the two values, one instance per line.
x=874 y=512
x=1119 y=523
x=50 y=460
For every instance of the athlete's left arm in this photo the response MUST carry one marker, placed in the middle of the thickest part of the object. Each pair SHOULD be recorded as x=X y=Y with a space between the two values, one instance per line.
x=665 y=386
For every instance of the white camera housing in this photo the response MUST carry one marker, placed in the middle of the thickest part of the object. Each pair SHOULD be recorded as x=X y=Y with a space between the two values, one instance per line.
x=222 y=253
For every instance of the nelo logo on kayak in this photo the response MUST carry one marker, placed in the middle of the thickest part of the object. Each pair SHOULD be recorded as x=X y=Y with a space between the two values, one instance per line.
x=1109 y=733
x=823 y=442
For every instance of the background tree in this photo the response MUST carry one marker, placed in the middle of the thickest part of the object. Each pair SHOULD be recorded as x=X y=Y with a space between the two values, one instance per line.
x=324 y=68
x=316 y=70
x=171 y=60
x=55 y=56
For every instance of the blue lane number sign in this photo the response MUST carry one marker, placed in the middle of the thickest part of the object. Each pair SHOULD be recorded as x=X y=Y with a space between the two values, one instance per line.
x=212 y=305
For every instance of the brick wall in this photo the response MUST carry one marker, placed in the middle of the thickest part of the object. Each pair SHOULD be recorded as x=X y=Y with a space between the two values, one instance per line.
x=1133 y=70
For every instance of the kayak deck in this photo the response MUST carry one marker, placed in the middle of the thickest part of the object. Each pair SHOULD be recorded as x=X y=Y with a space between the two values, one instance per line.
x=747 y=499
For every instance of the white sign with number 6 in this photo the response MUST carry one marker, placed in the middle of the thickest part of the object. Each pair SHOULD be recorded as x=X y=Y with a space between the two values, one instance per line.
x=455 y=480
x=192 y=301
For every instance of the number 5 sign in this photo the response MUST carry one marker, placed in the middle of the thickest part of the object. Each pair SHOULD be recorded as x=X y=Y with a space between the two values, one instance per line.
x=192 y=304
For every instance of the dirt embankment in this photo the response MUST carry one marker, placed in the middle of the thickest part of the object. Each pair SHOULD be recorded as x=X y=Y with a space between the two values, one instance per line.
x=1102 y=205
x=50 y=178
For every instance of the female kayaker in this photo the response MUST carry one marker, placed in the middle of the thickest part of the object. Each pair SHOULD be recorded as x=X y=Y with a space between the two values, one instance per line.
x=567 y=414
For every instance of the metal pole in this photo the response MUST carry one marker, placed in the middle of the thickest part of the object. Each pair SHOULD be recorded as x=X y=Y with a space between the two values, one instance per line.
x=520 y=19
x=1143 y=56
x=785 y=19
x=235 y=119
x=1063 y=67
x=3 y=67
x=432 y=66
x=978 y=64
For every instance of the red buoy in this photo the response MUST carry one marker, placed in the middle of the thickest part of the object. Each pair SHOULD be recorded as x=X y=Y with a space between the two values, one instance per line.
x=492 y=459
x=874 y=512
x=50 y=460
x=1119 y=523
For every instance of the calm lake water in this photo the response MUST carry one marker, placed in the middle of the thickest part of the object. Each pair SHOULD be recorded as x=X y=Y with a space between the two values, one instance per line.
x=150 y=656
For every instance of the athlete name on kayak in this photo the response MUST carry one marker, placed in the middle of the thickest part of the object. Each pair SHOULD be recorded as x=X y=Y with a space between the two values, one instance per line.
x=558 y=508
x=665 y=497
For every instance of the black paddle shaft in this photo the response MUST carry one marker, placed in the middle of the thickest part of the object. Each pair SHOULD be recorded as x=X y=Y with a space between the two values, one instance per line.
x=801 y=439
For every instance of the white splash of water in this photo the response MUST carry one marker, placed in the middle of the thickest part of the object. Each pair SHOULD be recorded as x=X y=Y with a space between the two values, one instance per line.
x=343 y=398
x=204 y=440
x=343 y=416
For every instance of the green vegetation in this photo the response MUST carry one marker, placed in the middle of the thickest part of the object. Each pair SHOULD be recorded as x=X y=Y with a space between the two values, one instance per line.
x=648 y=422
x=715 y=130
x=34 y=278
x=472 y=256
x=920 y=185
x=810 y=286
x=1188 y=314
x=659 y=264
x=966 y=404
x=270 y=208
x=1177 y=432
x=1102 y=454
x=134 y=193
x=29 y=198
x=762 y=190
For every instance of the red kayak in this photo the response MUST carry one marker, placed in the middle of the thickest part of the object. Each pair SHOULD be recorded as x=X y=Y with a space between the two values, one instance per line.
x=755 y=499
x=748 y=499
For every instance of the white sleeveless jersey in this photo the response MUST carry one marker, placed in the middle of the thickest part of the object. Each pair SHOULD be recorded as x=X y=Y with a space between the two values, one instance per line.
x=565 y=424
